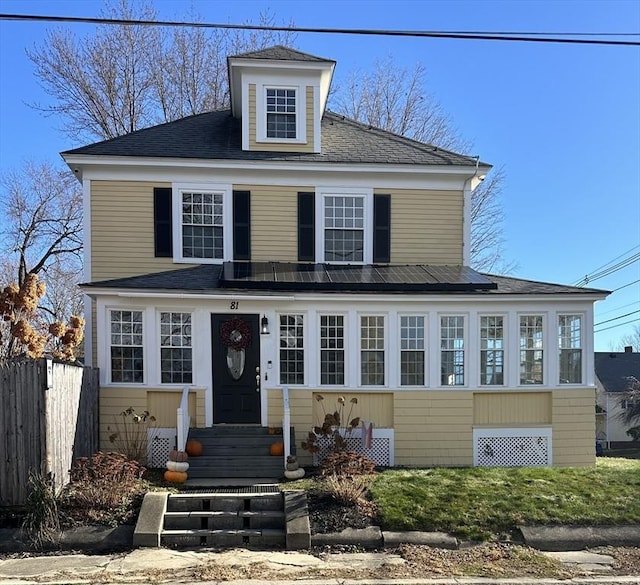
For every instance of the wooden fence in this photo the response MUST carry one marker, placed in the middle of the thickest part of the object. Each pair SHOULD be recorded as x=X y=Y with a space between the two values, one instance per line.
x=48 y=418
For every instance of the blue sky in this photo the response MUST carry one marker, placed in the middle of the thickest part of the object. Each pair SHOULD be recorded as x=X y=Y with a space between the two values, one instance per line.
x=563 y=120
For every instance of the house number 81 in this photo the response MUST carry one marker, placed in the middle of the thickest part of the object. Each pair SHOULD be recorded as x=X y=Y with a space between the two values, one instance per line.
x=235 y=305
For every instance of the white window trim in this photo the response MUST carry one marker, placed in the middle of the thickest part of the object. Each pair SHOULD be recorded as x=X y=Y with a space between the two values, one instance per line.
x=358 y=347
x=108 y=345
x=261 y=113
x=159 y=347
x=367 y=195
x=306 y=350
x=425 y=334
x=583 y=319
x=465 y=350
x=505 y=350
x=227 y=220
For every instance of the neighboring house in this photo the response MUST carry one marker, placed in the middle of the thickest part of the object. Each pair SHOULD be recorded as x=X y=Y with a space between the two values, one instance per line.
x=613 y=370
x=277 y=251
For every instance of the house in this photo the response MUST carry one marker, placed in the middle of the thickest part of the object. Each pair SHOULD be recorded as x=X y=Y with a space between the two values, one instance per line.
x=613 y=370
x=268 y=255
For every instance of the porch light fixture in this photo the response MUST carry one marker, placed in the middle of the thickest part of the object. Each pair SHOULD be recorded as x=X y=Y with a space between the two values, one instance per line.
x=264 y=326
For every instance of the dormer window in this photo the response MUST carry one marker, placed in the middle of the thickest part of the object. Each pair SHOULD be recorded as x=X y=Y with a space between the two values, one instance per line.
x=281 y=113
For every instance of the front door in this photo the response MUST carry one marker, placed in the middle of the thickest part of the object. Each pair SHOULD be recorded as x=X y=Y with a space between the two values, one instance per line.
x=235 y=346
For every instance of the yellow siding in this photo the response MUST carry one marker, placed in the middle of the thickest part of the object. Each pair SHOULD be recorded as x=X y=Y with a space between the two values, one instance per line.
x=281 y=146
x=274 y=222
x=374 y=407
x=512 y=408
x=426 y=226
x=122 y=241
x=574 y=427
x=162 y=405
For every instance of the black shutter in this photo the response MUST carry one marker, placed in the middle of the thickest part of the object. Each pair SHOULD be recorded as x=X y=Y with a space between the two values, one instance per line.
x=241 y=225
x=306 y=227
x=162 y=229
x=381 y=228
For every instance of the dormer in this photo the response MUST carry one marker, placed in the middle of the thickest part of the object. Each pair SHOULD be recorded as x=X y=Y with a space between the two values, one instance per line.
x=280 y=95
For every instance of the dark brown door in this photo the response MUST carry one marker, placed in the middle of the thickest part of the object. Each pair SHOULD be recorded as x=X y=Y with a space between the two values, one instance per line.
x=235 y=346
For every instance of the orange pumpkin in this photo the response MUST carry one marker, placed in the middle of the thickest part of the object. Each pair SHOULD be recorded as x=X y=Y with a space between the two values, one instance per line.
x=175 y=455
x=193 y=448
x=277 y=448
x=175 y=476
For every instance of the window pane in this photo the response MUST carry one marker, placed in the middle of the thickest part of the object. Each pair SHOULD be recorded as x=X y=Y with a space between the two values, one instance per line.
x=281 y=113
x=452 y=351
x=491 y=350
x=412 y=350
x=332 y=349
x=531 y=349
x=291 y=349
x=372 y=351
x=344 y=229
x=570 y=348
x=175 y=348
x=202 y=225
x=126 y=347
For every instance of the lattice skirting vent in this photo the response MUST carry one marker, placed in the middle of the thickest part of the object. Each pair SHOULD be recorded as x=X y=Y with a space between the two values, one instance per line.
x=381 y=451
x=159 y=443
x=530 y=447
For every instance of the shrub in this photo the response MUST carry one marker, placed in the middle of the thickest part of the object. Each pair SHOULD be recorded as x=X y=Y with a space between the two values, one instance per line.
x=41 y=525
x=346 y=464
x=349 y=490
x=336 y=426
x=105 y=488
x=132 y=433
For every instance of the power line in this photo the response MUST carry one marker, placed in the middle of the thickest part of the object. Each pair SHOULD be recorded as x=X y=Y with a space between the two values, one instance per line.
x=469 y=35
x=614 y=326
x=616 y=318
x=588 y=276
x=618 y=308
x=625 y=285
x=610 y=270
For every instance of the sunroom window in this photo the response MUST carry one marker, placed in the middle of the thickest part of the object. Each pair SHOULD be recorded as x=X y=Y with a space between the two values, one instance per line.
x=570 y=348
x=491 y=350
x=291 y=349
x=332 y=358
x=452 y=351
x=372 y=350
x=412 y=350
x=531 y=349
x=126 y=347
x=176 y=365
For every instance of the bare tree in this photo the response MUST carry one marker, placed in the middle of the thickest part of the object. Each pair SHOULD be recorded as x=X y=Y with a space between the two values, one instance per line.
x=125 y=77
x=396 y=99
x=631 y=339
x=42 y=207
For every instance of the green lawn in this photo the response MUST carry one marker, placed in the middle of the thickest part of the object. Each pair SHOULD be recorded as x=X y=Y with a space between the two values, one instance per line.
x=476 y=502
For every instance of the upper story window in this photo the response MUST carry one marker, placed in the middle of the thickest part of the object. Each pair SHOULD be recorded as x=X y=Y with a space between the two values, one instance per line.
x=281 y=113
x=412 y=351
x=126 y=347
x=452 y=351
x=570 y=349
x=291 y=349
x=203 y=223
x=344 y=229
x=176 y=365
x=531 y=349
x=491 y=350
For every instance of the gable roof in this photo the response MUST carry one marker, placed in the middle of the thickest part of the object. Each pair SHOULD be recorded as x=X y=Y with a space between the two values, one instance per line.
x=613 y=369
x=280 y=53
x=217 y=135
x=414 y=279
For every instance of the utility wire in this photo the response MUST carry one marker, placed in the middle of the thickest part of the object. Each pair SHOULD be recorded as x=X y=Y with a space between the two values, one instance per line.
x=614 y=326
x=625 y=285
x=485 y=36
x=618 y=308
x=616 y=318
x=607 y=271
x=588 y=276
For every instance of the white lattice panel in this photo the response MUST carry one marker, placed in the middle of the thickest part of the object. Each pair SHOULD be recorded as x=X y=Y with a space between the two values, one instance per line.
x=160 y=442
x=381 y=451
x=512 y=447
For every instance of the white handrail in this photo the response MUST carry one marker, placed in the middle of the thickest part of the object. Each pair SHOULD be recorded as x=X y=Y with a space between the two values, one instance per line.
x=184 y=419
x=286 y=424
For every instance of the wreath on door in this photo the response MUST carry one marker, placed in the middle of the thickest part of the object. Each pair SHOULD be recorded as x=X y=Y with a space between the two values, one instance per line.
x=236 y=334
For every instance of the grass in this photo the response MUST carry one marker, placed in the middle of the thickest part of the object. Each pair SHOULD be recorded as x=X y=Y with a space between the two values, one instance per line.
x=478 y=502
